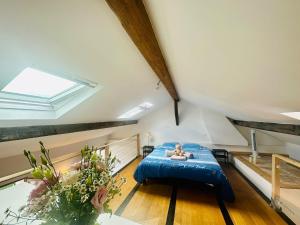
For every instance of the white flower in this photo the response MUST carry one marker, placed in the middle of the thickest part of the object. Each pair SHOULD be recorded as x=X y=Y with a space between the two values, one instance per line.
x=82 y=189
x=84 y=198
x=70 y=178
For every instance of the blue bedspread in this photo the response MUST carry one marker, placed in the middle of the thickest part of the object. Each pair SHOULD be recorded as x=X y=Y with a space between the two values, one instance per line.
x=203 y=168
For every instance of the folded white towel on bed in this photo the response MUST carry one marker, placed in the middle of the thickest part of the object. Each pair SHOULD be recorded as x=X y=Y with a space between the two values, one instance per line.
x=187 y=155
x=180 y=158
x=169 y=153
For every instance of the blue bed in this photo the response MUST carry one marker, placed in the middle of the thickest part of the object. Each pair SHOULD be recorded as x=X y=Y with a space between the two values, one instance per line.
x=202 y=168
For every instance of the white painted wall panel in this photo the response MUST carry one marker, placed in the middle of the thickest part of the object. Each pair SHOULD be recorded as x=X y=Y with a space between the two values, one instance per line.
x=262 y=184
x=196 y=125
x=125 y=151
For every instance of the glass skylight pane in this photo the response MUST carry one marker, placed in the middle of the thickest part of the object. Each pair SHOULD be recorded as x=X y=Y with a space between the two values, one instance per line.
x=294 y=115
x=136 y=110
x=131 y=113
x=39 y=84
x=146 y=105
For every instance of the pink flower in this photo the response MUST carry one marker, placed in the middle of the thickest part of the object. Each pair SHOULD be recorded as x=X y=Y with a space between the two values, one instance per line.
x=38 y=191
x=99 y=198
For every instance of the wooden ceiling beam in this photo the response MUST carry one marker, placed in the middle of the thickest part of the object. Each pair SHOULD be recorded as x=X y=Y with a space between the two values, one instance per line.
x=176 y=113
x=18 y=133
x=274 y=127
x=134 y=19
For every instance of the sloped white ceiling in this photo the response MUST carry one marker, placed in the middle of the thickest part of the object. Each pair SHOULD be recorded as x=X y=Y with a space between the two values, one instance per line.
x=274 y=142
x=162 y=128
x=221 y=130
x=287 y=138
x=262 y=137
x=197 y=125
x=81 y=39
x=240 y=58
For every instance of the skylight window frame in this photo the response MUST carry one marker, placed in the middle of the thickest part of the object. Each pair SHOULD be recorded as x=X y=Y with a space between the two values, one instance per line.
x=23 y=106
x=21 y=97
x=61 y=94
x=29 y=101
x=75 y=87
x=28 y=74
x=136 y=110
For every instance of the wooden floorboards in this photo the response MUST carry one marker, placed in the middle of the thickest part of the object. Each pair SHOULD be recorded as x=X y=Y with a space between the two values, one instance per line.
x=127 y=172
x=151 y=204
x=196 y=205
x=249 y=207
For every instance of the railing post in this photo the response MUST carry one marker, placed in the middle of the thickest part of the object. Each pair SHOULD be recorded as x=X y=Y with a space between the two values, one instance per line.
x=138 y=144
x=275 y=179
x=106 y=151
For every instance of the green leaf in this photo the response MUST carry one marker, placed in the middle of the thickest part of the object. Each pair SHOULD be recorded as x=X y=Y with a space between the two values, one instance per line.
x=44 y=160
x=89 y=180
x=25 y=153
x=32 y=158
x=43 y=149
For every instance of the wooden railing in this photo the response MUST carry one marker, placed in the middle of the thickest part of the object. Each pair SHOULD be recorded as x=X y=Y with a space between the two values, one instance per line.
x=23 y=174
x=276 y=160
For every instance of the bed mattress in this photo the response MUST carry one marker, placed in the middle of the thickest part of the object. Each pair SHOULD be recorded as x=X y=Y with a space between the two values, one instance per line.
x=202 y=168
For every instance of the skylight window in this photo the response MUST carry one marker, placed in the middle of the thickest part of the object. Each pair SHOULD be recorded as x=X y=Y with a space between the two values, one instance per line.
x=39 y=84
x=34 y=94
x=136 y=110
x=294 y=115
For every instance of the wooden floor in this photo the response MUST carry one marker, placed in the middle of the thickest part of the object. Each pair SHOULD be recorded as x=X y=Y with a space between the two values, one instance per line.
x=196 y=205
x=249 y=207
x=127 y=172
x=150 y=204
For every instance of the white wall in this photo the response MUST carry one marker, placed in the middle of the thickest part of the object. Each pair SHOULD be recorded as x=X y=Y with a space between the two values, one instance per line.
x=11 y=152
x=262 y=139
x=196 y=125
x=12 y=148
x=261 y=183
x=293 y=150
x=125 y=151
x=292 y=143
x=265 y=142
x=221 y=130
x=272 y=142
x=16 y=163
x=125 y=131
x=161 y=125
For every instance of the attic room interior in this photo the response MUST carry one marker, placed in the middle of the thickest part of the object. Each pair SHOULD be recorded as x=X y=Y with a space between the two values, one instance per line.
x=149 y=112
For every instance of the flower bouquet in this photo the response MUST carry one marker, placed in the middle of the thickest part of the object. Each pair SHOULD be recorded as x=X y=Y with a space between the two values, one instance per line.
x=73 y=198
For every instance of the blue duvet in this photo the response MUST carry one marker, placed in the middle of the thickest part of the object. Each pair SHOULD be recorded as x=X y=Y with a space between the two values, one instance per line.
x=202 y=168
